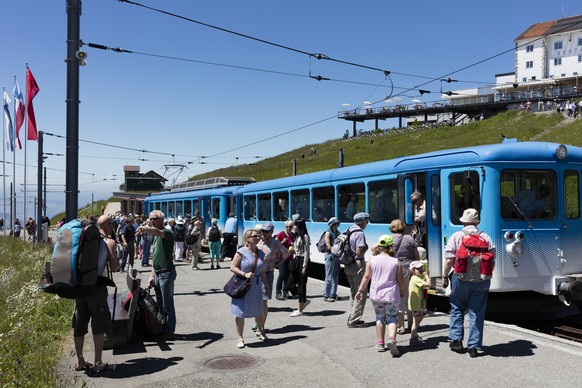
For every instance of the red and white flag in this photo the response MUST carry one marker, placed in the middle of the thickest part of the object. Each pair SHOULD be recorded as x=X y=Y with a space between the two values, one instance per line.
x=19 y=111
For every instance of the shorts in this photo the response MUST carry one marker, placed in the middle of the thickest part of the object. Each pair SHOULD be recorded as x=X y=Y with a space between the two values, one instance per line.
x=270 y=276
x=93 y=307
x=386 y=312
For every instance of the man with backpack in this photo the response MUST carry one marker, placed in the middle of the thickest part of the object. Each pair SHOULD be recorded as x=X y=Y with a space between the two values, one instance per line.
x=355 y=271
x=94 y=307
x=469 y=288
x=163 y=271
x=127 y=234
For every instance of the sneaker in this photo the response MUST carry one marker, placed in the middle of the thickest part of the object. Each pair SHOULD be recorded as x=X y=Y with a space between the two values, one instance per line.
x=262 y=336
x=415 y=341
x=393 y=348
x=357 y=324
x=240 y=343
x=280 y=296
x=456 y=345
x=296 y=313
x=254 y=327
x=179 y=260
x=332 y=298
x=380 y=347
x=212 y=266
x=217 y=266
x=195 y=268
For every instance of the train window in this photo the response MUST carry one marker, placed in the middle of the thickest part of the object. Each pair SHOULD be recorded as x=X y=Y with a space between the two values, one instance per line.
x=351 y=200
x=300 y=203
x=264 y=207
x=179 y=208
x=250 y=207
x=188 y=207
x=435 y=199
x=528 y=194
x=464 y=189
x=571 y=194
x=281 y=206
x=171 y=209
x=216 y=208
x=196 y=206
x=165 y=209
x=383 y=200
x=323 y=202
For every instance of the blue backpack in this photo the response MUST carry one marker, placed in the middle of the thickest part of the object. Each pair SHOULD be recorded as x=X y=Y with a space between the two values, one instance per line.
x=75 y=261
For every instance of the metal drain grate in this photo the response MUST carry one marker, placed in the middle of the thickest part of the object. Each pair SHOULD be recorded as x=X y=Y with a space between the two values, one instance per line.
x=230 y=362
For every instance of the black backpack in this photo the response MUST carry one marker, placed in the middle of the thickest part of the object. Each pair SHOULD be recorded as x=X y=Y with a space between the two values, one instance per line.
x=179 y=230
x=214 y=233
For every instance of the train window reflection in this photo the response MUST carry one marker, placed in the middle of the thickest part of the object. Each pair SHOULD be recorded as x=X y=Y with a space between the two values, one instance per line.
x=323 y=203
x=383 y=200
x=351 y=200
x=281 y=206
x=300 y=203
x=464 y=189
x=250 y=207
x=265 y=207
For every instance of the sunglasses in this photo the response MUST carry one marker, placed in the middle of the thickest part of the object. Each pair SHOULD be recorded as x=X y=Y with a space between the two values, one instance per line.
x=154 y=218
x=255 y=236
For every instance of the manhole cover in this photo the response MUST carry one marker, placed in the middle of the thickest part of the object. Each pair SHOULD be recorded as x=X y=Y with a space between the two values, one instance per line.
x=230 y=362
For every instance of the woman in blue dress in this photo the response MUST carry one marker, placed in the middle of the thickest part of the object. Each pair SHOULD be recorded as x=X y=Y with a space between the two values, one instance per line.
x=251 y=305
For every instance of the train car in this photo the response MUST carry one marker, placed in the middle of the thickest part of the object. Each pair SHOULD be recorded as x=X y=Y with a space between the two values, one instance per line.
x=210 y=203
x=537 y=250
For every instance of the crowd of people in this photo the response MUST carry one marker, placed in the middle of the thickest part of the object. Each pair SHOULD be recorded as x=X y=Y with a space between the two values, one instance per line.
x=394 y=278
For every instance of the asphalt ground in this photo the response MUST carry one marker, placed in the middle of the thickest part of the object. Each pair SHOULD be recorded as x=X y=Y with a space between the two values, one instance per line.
x=316 y=349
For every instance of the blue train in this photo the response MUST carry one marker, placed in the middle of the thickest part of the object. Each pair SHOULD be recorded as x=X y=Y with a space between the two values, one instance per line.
x=537 y=251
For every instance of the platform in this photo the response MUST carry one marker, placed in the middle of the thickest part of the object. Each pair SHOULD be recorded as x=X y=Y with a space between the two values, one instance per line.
x=316 y=349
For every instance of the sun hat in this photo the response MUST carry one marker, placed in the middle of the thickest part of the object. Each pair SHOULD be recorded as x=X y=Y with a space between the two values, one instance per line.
x=415 y=264
x=333 y=221
x=180 y=220
x=385 y=240
x=470 y=216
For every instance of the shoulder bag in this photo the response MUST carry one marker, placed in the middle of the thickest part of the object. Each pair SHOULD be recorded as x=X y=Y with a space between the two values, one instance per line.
x=238 y=286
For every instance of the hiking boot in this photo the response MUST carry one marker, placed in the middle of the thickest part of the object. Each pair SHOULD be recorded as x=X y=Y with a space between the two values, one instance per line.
x=456 y=345
x=473 y=352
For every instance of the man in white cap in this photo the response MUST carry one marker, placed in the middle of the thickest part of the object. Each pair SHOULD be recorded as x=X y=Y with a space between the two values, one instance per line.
x=275 y=254
x=355 y=271
x=466 y=293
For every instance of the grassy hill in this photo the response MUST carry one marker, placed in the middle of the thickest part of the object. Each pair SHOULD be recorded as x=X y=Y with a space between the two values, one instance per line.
x=525 y=126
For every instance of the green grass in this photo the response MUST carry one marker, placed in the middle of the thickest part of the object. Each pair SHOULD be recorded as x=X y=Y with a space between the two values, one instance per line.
x=33 y=326
x=514 y=124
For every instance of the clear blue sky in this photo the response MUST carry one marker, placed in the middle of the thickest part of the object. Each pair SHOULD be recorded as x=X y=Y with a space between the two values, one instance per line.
x=192 y=109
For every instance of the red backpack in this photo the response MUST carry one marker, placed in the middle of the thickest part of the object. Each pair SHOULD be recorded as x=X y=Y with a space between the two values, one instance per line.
x=474 y=262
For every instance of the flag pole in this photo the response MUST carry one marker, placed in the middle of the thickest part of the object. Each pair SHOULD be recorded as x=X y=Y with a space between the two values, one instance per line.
x=25 y=166
x=4 y=127
x=13 y=188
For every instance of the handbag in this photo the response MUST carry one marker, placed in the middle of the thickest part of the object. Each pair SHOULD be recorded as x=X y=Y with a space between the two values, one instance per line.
x=238 y=286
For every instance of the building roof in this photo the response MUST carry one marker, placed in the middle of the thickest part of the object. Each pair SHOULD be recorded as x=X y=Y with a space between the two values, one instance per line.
x=552 y=27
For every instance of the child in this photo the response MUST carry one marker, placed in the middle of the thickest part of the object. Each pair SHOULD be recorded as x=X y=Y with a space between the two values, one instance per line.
x=424 y=261
x=419 y=280
x=386 y=289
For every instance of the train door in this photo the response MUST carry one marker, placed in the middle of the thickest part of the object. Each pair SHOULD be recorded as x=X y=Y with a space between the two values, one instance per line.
x=570 y=247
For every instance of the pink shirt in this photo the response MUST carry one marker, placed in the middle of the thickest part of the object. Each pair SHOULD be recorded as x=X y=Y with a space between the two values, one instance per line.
x=384 y=286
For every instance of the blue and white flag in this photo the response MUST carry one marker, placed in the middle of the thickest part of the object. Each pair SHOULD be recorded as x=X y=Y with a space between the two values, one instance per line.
x=8 y=128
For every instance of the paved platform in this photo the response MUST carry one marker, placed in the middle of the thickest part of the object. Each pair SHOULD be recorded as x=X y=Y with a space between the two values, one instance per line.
x=317 y=349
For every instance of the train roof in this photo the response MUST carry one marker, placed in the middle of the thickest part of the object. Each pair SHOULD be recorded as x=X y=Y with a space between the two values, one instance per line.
x=164 y=196
x=508 y=151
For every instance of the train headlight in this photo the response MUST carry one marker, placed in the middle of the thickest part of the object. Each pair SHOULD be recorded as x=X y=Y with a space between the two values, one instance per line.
x=515 y=249
x=508 y=236
x=561 y=152
x=519 y=236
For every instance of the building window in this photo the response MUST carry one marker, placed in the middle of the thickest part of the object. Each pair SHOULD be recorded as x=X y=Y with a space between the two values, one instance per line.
x=529 y=64
x=579 y=58
x=529 y=48
x=524 y=79
x=579 y=41
x=557 y=61
x=558 y=45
